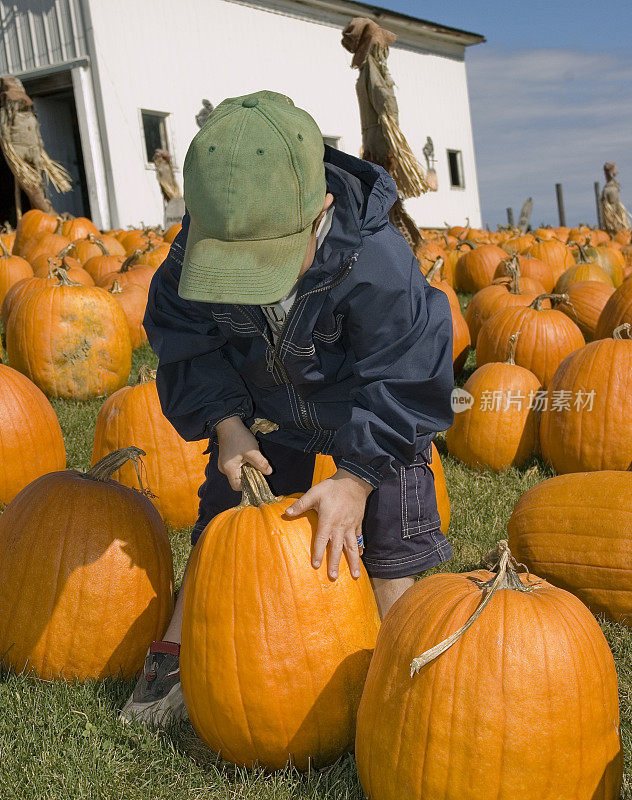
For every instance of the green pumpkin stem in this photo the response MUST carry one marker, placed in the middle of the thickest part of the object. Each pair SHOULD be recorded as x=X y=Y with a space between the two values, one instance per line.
x=254 y=488
x=506 y=577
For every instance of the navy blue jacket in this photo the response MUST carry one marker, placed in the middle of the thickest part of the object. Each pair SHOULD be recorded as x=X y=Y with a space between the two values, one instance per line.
x=363 y=368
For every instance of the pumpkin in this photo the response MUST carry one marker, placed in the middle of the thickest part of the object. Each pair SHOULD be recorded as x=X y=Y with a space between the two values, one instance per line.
x=78 y=228
x=519 y=243
x=590 y=426
x=325 y=467
x=23 y=287
x=70 y=340
x=554 y=253
x=133 y=301
x=274 y=653
x=552 y=530
x=616 y=312
x=86 y=576
x=582 y=272
x=612 y=261
x=547 y=336
x=174 y=469
x=436 y=277
x=7 y=236
x=71 y=266
x=171 y=232
x=43 y=244
x=101 y=265
x=475 y=269
x=461 y=341
x=500 y=429
x=510 y=292
x=31 y=442
x=523 y=704
x=585 y=303
x=155 y=254
x=85 y=249
x=531 y=268
x=130 y=271
x=136 y=239
x=34 y=222
x=12 y=269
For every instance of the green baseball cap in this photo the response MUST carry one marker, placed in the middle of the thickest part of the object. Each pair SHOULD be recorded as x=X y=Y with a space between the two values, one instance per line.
x=254 y=182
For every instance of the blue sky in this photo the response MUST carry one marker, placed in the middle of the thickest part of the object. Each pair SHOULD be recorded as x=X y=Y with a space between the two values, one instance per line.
x=551 y=98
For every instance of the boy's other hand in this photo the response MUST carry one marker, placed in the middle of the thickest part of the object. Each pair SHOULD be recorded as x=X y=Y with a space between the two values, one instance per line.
x=340 y=502
x=237 y=446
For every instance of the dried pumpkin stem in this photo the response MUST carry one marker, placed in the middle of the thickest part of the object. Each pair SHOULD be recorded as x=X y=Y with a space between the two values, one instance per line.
x=506 y=577
x=254 y=488
x=618 y=332
x=435 y=270
x=61 y=273
x=512 y=265
x=129 y=261
x=513 y=340
x=107 y=466
x=556 y=298
x=5 y=250
x=116 y=288
x=60 y=222
x=100 y=244
x=146 y=374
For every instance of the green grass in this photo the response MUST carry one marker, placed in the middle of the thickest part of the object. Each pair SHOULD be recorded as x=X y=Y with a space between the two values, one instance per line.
x=63 y=741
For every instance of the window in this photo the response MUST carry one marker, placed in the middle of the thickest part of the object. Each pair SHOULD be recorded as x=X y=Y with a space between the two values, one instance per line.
x=332 y=141
x=155 y=132
x=455 y=166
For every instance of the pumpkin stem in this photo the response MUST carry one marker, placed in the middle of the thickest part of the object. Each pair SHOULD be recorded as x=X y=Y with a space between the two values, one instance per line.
x=537 y=303
x=5 y=250
x=60 y=222
x=100 y=244
x=129 y=261
x=618 y=332
x=254 y=488
x=512 y=265
x=146 y=374
x=435 y=270
x=61 y=273
x=116 y=288
x=107 y=466
x=506 y=577
x=513 y=339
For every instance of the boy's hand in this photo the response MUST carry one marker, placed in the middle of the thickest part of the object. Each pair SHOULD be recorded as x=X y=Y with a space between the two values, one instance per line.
x=238 y=446
x=340 y=502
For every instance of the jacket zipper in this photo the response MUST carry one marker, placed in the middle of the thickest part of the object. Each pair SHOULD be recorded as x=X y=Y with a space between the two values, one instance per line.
x=275 y=350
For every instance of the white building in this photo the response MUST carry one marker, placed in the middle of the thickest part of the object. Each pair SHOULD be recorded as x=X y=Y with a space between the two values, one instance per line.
x=112 y=79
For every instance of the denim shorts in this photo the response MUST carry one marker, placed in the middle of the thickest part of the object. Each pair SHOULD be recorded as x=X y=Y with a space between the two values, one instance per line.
x=401 y=527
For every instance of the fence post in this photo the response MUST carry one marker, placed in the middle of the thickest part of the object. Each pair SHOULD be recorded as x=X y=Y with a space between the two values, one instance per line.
x=560 y=204
x=510 y=217
x=598 y=202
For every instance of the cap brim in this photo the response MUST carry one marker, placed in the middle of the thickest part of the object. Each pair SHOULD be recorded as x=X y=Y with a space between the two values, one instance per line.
x=250 y=272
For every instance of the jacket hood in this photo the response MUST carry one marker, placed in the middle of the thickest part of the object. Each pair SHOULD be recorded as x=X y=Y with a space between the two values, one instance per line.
x=363 y=195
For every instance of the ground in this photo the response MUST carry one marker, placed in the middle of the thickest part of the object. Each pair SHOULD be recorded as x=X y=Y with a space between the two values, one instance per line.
x=63 y=742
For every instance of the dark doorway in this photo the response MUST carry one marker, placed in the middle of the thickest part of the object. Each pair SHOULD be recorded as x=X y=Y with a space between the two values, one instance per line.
x=54 y=102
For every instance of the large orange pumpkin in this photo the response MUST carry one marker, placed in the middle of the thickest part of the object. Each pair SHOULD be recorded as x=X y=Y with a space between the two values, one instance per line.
x=325 y=467
x=547 y=336
x=584 y=271
x=587 y=425
x=130 y=271
x=43 y=244
x=523 y=705
x=554 y=253
x=500 y=429
x=274 y=654
x=12 y=269
x=78 y=228
x=559 y=530
x=616 y=312
x=86 y=576
x=174 y=468
x=31 y=442
x=531 y=268
x=94 y=246
x=475 y=269
x=34 y=222
x=70 y=340
x=586 y=301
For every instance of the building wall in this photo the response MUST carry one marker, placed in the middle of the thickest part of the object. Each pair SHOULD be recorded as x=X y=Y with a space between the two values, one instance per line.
x=168 y=55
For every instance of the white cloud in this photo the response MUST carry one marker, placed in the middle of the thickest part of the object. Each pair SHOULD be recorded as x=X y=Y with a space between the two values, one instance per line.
x=543 y=117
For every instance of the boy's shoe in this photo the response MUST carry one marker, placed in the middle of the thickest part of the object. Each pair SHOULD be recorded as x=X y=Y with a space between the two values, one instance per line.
x=157 y=697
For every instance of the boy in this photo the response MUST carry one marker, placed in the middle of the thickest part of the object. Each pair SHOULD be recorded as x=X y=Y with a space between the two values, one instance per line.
x=289 y=297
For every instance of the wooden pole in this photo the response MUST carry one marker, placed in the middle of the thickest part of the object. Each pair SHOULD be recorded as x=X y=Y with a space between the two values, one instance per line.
x=510 y=217
x=598 y=203
x=18 y=199
x=560 y=204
